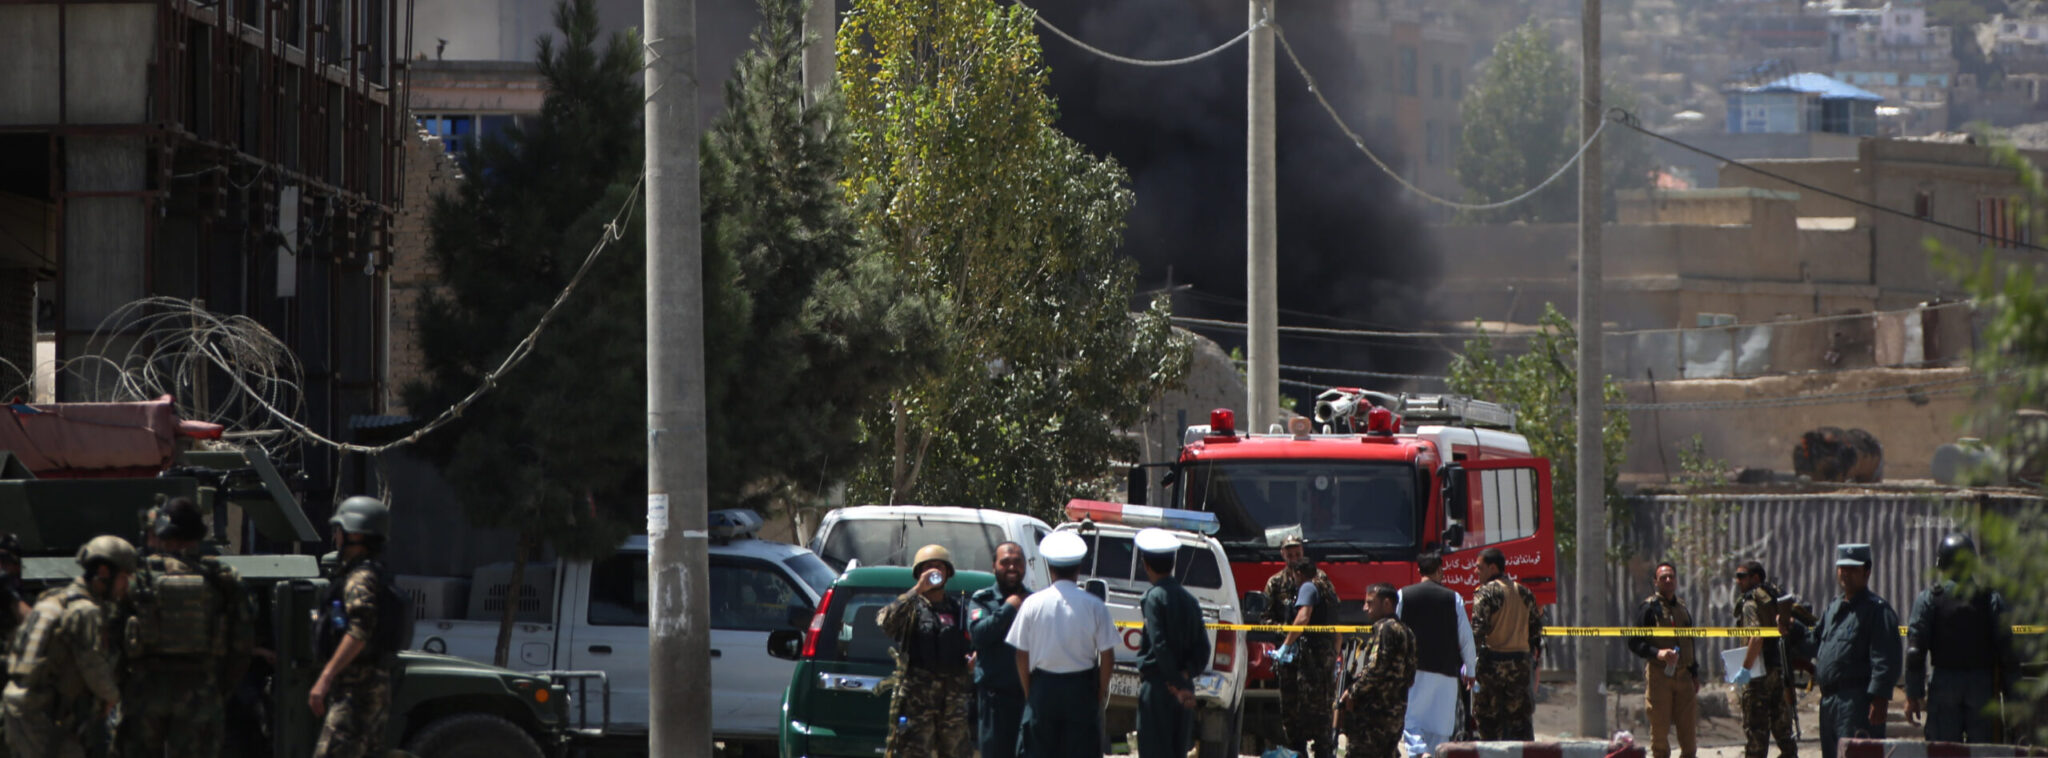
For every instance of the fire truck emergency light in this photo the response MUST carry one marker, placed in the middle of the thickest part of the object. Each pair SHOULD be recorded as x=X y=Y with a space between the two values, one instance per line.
x=1222 y=422
x=1142 y=515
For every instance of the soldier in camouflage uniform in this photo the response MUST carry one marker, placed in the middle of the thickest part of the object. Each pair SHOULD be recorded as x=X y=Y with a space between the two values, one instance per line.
x=353 y=694
x=190 y=635
x=61 y=675
x=1507 y=627
x=934 y=688
x=1375 y=699
x=1308 y=678
x=1766 y=710
x=13 y=609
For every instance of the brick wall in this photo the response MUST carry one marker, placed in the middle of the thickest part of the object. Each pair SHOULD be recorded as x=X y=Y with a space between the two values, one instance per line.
x=429 y=172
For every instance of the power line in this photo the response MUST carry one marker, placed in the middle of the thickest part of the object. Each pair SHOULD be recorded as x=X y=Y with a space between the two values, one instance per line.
x=1628 y=120
x=1040 y=18
x=1317 y=90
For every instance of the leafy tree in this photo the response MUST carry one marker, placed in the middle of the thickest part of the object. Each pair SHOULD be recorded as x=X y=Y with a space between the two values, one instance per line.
x=1542 y=386
x=1698 y=536
x=555 y=453
x=962 y=178
x=1521 y=122
x=2013 y=351
x=812 y=328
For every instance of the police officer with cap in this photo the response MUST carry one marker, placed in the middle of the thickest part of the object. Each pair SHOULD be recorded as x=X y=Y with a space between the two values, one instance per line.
x=1174 y=651
x=1856 y=653
x=1065 y=652
x=1963 y=627
x=928 y=711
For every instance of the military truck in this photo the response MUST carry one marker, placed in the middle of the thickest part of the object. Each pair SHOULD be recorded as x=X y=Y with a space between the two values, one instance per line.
x=442 y=707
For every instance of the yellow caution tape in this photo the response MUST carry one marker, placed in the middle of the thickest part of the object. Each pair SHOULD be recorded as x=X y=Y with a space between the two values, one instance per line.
x=1558 y=631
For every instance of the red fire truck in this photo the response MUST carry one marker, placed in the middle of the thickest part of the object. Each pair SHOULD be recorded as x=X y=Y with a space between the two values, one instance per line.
x=1379 y=479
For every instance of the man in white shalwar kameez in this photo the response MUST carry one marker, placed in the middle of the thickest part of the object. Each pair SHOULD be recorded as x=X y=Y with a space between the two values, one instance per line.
x=1443 y=653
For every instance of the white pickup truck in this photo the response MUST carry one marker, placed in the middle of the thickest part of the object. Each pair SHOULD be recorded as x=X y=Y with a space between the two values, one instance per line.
x=1110 y=530
x=599 y=623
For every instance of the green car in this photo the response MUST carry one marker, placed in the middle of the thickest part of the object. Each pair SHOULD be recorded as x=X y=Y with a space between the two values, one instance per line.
x=831 y=707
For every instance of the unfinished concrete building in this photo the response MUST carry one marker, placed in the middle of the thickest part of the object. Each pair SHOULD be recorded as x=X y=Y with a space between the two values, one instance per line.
x=237 y=151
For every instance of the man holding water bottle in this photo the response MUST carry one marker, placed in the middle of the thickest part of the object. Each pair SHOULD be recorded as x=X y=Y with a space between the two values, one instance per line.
x=934 y=687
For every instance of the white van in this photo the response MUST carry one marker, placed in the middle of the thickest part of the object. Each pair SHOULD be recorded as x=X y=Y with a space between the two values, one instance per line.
x=888 y=535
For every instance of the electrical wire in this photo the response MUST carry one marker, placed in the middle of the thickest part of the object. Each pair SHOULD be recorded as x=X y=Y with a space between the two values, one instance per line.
x=1040 y=18
x=1358 y=141
x=1628 y=120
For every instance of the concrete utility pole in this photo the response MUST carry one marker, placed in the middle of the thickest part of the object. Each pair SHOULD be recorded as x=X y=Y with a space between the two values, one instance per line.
x=1592 y=474
x=821 y=25
x=679 y=592
x=1262 y=307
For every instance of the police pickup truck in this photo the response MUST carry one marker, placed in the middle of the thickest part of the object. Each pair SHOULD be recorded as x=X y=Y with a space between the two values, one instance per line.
x=1112 y=566
x=591 y=616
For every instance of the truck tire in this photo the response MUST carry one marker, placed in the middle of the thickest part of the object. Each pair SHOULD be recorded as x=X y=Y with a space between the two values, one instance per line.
x=473 y=735
x=1217 y=734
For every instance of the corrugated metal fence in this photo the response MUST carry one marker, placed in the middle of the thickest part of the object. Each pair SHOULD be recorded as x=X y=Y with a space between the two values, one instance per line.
x=1793 y=535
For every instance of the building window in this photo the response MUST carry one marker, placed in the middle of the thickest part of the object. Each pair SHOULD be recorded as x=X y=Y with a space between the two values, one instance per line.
x=461 y=131
x=2001 y=223
x=1436 y=80
x=1457 y=84
x=1921 y=202
x=1408 y=71
x=1433 y=148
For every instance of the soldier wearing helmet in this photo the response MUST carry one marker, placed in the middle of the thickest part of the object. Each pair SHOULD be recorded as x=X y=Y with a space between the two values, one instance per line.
x=934 y=688
x=353 y=693
x=1962 y=625
x=188 y=640
x=62 y=673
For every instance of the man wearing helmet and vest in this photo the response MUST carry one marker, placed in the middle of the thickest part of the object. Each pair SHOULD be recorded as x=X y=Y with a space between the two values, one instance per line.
x=61 y=675
x=354 y=689
x=928 y=714
x=1302 y=595
x=1963 y=626
x=187 y=643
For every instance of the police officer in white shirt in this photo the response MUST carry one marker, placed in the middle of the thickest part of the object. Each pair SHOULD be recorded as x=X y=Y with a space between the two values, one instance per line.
x=1065 y=652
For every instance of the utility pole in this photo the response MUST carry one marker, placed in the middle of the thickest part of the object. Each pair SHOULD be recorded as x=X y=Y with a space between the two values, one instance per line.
x=1262 y=307
x=1592 y=474
x=821 y=27
x=679 y=612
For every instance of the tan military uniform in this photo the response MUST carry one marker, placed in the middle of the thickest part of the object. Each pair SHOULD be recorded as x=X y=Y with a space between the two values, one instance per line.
x=187 y=644
x=60 y=675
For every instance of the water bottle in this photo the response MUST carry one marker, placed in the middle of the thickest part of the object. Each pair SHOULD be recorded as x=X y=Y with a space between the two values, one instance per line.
x=1671 y=669
x=902 y=723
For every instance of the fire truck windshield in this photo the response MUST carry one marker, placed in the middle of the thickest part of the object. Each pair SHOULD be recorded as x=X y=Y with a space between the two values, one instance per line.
x=1358 y=504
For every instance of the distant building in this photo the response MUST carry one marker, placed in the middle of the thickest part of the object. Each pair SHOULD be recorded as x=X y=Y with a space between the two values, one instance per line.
x=1803 y=103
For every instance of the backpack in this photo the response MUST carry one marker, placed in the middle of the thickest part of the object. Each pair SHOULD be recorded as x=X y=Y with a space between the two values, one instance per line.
x=394 y=618
x=178 y=611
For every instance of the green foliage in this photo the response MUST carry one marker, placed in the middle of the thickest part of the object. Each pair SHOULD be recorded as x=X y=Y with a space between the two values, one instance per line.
x=806 y=327
x=1542 y=386
x=2012 y=298
x=1522 y=122
x=961 y=178
x=556 y=451
x=1695 y=533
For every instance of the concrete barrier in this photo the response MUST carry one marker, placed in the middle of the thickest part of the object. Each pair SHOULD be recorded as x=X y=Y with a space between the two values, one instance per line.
x=1921 y=749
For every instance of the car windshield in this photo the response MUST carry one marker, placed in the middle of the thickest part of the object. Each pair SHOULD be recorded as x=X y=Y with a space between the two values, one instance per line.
x=812 y=571
x=1334 y=503
x=892 y=542
x=850 y=632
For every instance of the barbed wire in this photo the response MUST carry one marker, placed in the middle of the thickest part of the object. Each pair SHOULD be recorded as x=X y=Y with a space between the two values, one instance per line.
x=1358 y=141
x=1075 y=41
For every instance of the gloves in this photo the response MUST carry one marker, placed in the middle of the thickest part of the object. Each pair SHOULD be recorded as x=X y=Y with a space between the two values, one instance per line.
x=1286 y=653
x=1742 y=676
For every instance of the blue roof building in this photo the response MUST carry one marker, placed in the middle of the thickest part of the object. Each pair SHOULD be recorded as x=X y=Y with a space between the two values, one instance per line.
x=1803 y=103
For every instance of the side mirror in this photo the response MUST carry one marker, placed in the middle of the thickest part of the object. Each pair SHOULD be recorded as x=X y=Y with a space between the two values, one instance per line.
x=1254 y=605
x=1455 y=496
x=787 y=644
x=1098 y=588
x=1454 y=536
x=799 y=617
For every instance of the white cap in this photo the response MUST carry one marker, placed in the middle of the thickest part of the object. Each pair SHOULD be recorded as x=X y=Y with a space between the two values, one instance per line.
x=1157 y=541
x=1063 y=549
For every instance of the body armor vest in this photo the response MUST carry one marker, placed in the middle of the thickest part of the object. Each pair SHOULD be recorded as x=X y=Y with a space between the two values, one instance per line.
x=178 y=611
x=1962 y=629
